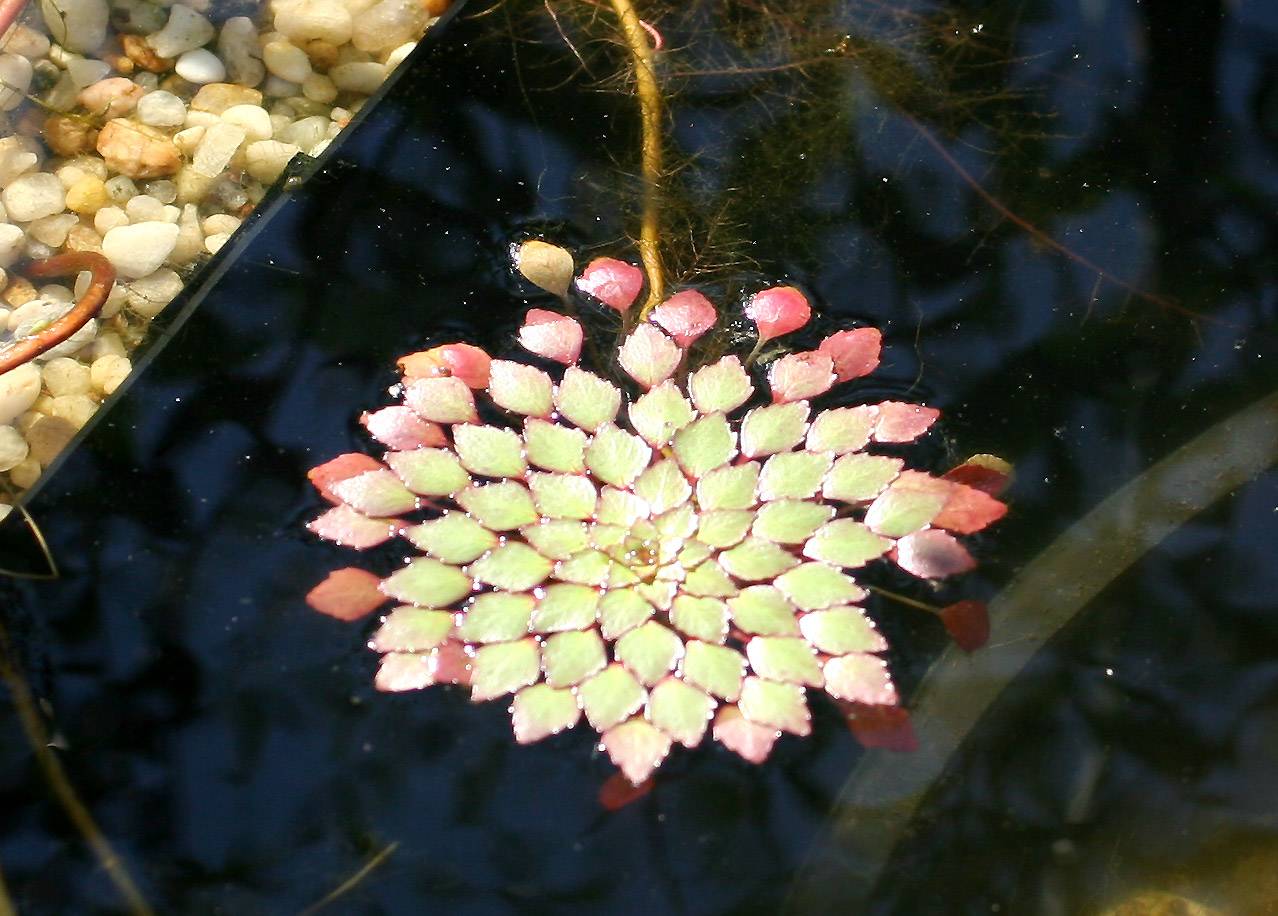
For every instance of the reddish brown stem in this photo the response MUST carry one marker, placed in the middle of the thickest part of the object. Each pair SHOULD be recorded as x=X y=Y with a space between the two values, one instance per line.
x=27 y=349
x=10 y=10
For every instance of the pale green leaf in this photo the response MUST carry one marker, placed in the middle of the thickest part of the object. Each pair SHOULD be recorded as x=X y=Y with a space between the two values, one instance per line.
x=860 y=477
x=720 y=387
x=763 y=610
x=649 y=651
x=569 y=658
x=790 y=521
x=489 y=450
x=788 y=659
x=519 y=388
x=715 y=669
x=621 y=610
x=725 y=527
x=619 y=507
x=693 y=553
x=617 y=457
x=704 y=445
x=611 y=696
x=501 y=506
x=557 y=539
x=680 y=710
x=663 y=486
x=427 y=583
x=586 y=400
x=444 y=399
x=774 y=704
x=587 y=567
x=412 y=629
x=705 y=619
x=794 y=475
x=512 y=567
x=648 y=356
x=733 y=487
x=553 y=447
x=375 y=493
x=777 y=428
x=570 y=496
x=496 y=617
x=860 y=678
x=660 y=413
x=847 y=543
x=504 y=667
x=659 y=594
x=814 y=586
x=906 y=506
x=541 y=710
x=677 y=523
x=757 y=560
x=429 y=471
x=841 y=630
x=454 y=537
x=842 y=430
x=709 y=580
x=565 y=606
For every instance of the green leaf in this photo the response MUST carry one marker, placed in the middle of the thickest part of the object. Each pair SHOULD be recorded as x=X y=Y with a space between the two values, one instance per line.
x=660 y=413
x=814 y=586
x=794 y=475
x=791 y=521
x=512 y=567
x=637 y=748
x=569 y=658
x=375 y=493
x=557 y=539
x=519 y=388
x=841 y=630
x=860 y=477
x=663 y=486
x=565 y=606
x=616 y=457
x=763 y=610
x=588 y=567
x=611 y=696
x=489 y=450
x=541 y=710
x=720 y=387
x=700 y=618
x=847 y=543
x=553 y=447
x=774 y=704
x=677 y=523
x=441 y=400
x=659 y=594
x=496 y=617
x=680 y=710
x=427 y=583
x=619 y=507
x=609 y=539
x=777 y=428
x=620 y=576
x=715 y=669
x=649 y=651
x=780 y=658
x=709 y=580
x=503 y=668
x=757 y=560
x=842 y=430
x=860 y=678
x=586 y=400
x=693 y=553
x=412 y=629
x=429 y=471
x=501 y=506
x=724 y=527
x=733 y=487
x=648 y=356
x=570 y=496
x=704 y=445
x=454 y=537
x=906 y=506
x=620 y=611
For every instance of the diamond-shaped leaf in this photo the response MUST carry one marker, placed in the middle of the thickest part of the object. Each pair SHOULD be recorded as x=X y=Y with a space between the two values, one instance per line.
x=351 y=464
x=519 y=388
x=399 y=427
x=780 y=658
x=677 y=523
x=552 y=447
x=557 y=539
x=660 y=413
x=637 y=747
x=565 y=606
x=790 y=521
x=459 y=360
x=412 y=629
x=621 y=610
x=587 y=567
x=554 y=336
x=901 y=422
x=932 y=554
x=347 y=528
x=512 y=567
x=659 y=594
x=504 y=667
x=541 y=710
x=663 y=487
x=732 y=487
x=775 y=704
x=910 y=503
x=841 y=630
x=347 y=594
x=704 y=445
x=860 y=678
x=693 y=553
x=614 y=283
x=429 y=471
x=968 y=509
x=489 y=450
x=617 y=457
x=685 y=316
x=611 y=696
x=763 y=610
x=709 y=580
x=569 y=658
x=715 y=669
x=814 y=586
x=860 y=477
x=441 y=400
x=587 y=400
x=649 y=651
x=777 y=428
x=375 y=493
x=757 y=560
x=501 y=506
x=563 y=495
x=847 y=543
x=794 y=475
x=680 y=710
x=705 y=619
x=751 y=741
x=842 y=430
x=427 y=583
x=720 y=387
x=855 y=353
x=619 y=507
x=648 y=356
x=496 y=617
x=454 y=537
x=401 y=671
x=800 y=376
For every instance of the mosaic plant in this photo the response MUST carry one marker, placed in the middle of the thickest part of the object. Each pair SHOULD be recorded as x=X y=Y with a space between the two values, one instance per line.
x=666 y=553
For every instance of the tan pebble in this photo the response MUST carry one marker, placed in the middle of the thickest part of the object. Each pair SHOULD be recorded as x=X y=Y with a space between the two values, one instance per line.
x=108 y=218
x=217 y=97
x=144 y=209
x=323 y=54
x=187 y=140
x=52 y=230
x=111 y=98
x=25 y=474
x=76 y=409
x=202 y=118
x=88 y=195
x=190 y=243
x=69 y=174
x=48 y=436
x=319 y=88
x=43 y=404
x=138 y=151
x=19 y=292
x=23 y=423
x=84 y=238
x=107 y=372
x=65 y=376
x=213 y=243
x=69 y=135
x=120 y=63
x=143 y=55
x=266 y=159
x=13 y=448
x=219 y=222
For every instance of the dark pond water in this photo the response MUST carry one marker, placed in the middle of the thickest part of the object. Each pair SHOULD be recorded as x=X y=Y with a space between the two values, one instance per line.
x=228 y=740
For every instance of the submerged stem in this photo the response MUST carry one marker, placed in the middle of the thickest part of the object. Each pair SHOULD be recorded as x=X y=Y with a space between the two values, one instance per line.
x=650 y=159
x=7 y=907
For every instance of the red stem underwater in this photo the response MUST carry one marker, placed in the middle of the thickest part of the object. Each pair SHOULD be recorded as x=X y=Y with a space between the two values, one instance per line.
x=27 y=349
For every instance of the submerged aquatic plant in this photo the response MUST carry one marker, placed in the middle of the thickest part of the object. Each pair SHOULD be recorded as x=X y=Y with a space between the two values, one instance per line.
x=663 y=564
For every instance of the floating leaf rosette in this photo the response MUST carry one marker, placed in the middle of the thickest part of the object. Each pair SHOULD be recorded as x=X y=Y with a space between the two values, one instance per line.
x=663 y=555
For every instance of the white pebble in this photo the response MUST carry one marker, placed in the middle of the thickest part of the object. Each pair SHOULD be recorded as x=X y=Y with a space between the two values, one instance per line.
x=162 y=190
x=85 y=71
x=187 y=140
x=171 y=213
x=144 y=209
x=200 y=67
x=388 y=25
x=266 y=159
x=52 y=230
x=285 y=60
x=253 y=119
x=33 y=196
x=399 y=55
x=319 y=88
x=358 y=77
x=161 y=109
x=216 y=148
x=307 y=20
x=201 y=118
x=76 y=409
x=237 y=44
x=15 y=80
x=107 y=372
x=63 y=376
x=213 y=243
x=25 y=41
x=12 y=239
x=19 y=389
x=121 y=188
x=149 y=295
x=278 y=88
x=140 y=249
x=107 y=344
x=306 y=132
x=109 y=218
x=69 y=175
x=55 y=292
x=15 y=162
x=77 y=25
x=219 y=222
x=185 y=31
x=13 y=449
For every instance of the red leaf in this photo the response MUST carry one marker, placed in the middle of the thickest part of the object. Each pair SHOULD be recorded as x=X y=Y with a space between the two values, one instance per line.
x=968 y=510
x=855 y=353
x=902 y=422
x=451 y=663
x=778 y=310
x=618 y=791
x=399 y=428
x=551 y=335
x=749 y=740
x=886 y=727
x=347 y=594
x=463 y=361
x=685 y=316
x=800 y=376
x=968 y=623
x=347 y=528
x=987 y=473
x=932 y=554
x=614 y=283
x=352 y=464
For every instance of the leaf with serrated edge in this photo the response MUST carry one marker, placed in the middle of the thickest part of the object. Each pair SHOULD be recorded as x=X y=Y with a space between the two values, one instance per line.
x=815 y=586
x=588 y=567
x=860 y=678
x=347 y=528
x=841 y=630
x=489 y=450
x=615 y=456
x=799 y=376
x=705 y=619
x=503 y=668
x=401 y=671
x=855 y=353
x=677 y=523
x=709 y=580
x=757 y=560
x=847 y=543
x=519 y=388
x=910 y=503
x=794 y=475
x=720 y=387
x=541 y=710
x=570 y=496
x=780 y=658
x=569 y=658
x=663 y=486
x=399 y=427
x=557 y=539
x=649 y=651
x=347 y=594
x=725 y=527
x=429 y=471
x=765 y=611
x=586 y=400
x=738 y=734
x=619 y=507
x=680 y=710
x=636 y=747
x=790 y=521
x=842 y=430
x=512 y=567
x=496 y=617
x=565 y=606
x=932 y=554
x=702 y=446
x=778 y=428
x=902 y=422
x=552 y=447
x=454 y=537
x=733 y=487
x=660 y=413
x=859 y=477
x=611 y=696
x=621 y=610
x=551 y=335
x=715 y=669
x=649 y=356
x=427 y=583
x=775 y=704
x=441 y=400
x=375 y=493
x=501 y=506
x=412 y=629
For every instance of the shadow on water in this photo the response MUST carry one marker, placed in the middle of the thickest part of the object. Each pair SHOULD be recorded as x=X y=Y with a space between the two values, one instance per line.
x=228 y=740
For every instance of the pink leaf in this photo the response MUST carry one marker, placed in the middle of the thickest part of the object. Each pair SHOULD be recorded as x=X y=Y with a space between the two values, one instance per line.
x=614 y=283
x=884 y=727
x=347 y=594
x=649 y=356
x=902 y=422
x=987 y=473
x=778 y=310
x=636 y=747
x=551 y=335
x=741 y=736
x=685 y=316
x=860 y=678
x=463 y=361
x=618 y=791
x=400 y=671
x=932 y=554
x=855 y=353
x=352 y=464
x=968 y=510
x=800 y=376
x=451 y=663
x=399 y=428
x=968 y=623
x=345 y=527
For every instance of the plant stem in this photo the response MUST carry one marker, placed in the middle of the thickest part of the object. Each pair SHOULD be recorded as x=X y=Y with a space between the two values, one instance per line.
x=7 y=907
x=650 y=159
x=904 y=599
x=353 y=881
